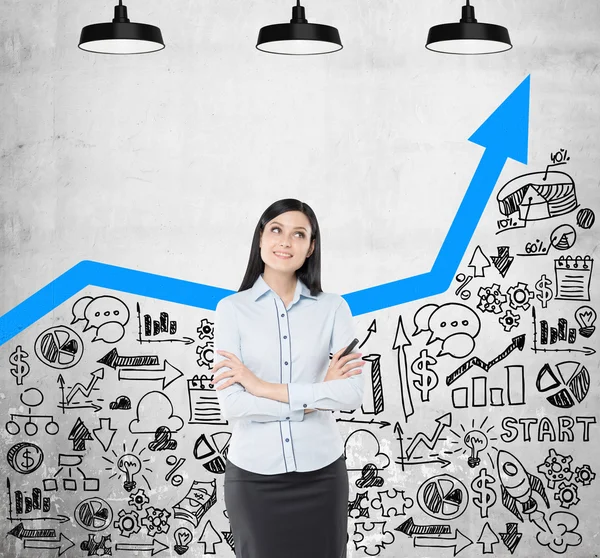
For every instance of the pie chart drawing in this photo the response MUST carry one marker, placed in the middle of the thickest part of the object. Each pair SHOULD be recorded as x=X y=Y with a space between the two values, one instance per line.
x=443 y=497
x=93 y=514
x=59 y=347
x=563 y=237
x=570 y=382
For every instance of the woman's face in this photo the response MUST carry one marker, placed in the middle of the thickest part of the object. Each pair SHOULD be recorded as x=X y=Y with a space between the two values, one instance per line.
x=288 y=233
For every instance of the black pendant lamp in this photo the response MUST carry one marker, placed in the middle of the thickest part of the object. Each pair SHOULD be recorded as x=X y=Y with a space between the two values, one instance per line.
x=468 y=36
x=121 y=36
x=298 y=36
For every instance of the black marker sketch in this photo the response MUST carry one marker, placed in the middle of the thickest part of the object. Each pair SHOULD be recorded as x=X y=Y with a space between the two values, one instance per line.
x=459 y=542
x=478 y=262
x=19 y=532
x=485 y=495
x=503 y=260
x=31 y=397
x=572 y=381
x=31 y=504
x=444 y=421
x=25 y=457
x=70 y=461
x=154 y=409
x=511 y=538
x=567 y=495
x=63 y=544
x=401 y=341
x=443 y=497
x=545 y=428
x=209 y=538
x=573 y=277
x=585 y=317
x=104 y=433
x=410 y=528
x=488 y=539
x=156 y=520
x=183 y=537
x=519 y=296
x=584 y=475
x=428 y=379
x=152 y=328
x=455 y=325
x=394 y=500
x=162 y=440
x=558 y=158
x=362 y=449
x=200 y=498
x=556 y=468
x=491 y=299
x=85 y=389
x=95 y=547
x=114 y=360
x=138 y=499
x=560 y=534
x=130 y=464
x=93 y=514
x=585 y=218
x=128 y=523
x=205 y=352
x=461 y=291
x=59 y=347
x=175 y=464
x=556 y=334
x=432 y=458
x=517 y=343
x=203 y=402
x=121 y=403
x=20 y=367
x=213 y=454
x=563 y=237
x=355 y=508
x=509 y=320
x=107 y=314
x=477 y=441
x=79 y=435
x=535 y=248
x=543 y=286
x=154 y=547
x=373 y=535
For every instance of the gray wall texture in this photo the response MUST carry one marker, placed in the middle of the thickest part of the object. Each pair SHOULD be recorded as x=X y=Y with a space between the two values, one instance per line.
x=162 y=163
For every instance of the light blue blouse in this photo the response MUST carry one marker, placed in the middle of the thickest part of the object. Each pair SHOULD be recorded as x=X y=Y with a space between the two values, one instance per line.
x=285 y=346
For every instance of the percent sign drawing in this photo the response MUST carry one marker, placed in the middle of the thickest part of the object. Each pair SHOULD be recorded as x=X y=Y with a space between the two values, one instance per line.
x=176 y=479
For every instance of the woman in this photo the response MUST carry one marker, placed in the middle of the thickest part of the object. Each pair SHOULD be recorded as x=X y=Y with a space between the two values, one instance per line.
x=286 y=482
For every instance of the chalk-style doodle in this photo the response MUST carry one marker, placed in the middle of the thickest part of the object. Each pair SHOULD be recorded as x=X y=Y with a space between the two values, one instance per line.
x=519 y=296
x=355 y=507
x=115 y=360
x=503 y=260
x=509 y=320
x=31 y=504
x=93 y=514
x=443 y=497
x=455 y=325
x=432 y=458
x=484 y=495
x=104 y=433
x=491 y=299
x=200 y=498
x=79 y=435
x=362 y=449
x=138 y=499
x=428 y=379
x=121 y=403
x=85 y=390
x=459 y=542
x=462 y=291
x=544 y=291
x=560 y=533
x=156 y=520
x=162 y=440
x=586 y=317
x=25 y=457
x=163 y=327
x=212 y=454
x=206 y=330
x=571 y=382
x=31 y=397
x=558 y=158
x=372 y=402
x=573 y=276
x=206 y=352
x=535 y=196
x=63 y=544
x=517 y=343
x=511 y=537
x=391 y=499
x=96 y=547
x=477 y=441
x=128 y=523
x=444 y=421
x=70 y=461
x=401 y=341
x=107 y=314
x=478 y=262
x=130 y=464
x=209 y=538
x=518 y=486
x=153 y=548
x=563 y=237
x=154 y=409
x=487 y=539
x=556 y=468
x=203 y=402
x=20 y=367
x=59 y=347
x=567 y=495
x=19 y=532
x=546 y=428
x=410 y=528
x=584 y=475
x=372 y=534
x=183 y=537
x=585 y=218
x=175 y=464
x=559 y=333
x=535 y=248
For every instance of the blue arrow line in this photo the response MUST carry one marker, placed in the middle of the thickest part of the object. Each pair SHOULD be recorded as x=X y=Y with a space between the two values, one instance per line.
x=504 y=134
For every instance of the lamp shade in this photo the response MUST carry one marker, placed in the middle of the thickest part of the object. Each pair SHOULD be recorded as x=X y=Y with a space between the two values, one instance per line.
x=298 y=36
x=468 y=36
x=121 y=36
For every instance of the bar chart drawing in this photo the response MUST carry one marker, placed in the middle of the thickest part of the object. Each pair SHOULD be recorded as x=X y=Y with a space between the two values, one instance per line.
x=513 y=393
x=547 y=336
x=154 y=331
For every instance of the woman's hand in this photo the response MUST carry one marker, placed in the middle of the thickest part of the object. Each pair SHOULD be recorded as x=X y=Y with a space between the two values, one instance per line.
x=340 y=368
x=238 y=373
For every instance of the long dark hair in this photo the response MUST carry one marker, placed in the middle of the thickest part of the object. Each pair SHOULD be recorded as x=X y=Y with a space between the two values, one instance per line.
x=310 y=272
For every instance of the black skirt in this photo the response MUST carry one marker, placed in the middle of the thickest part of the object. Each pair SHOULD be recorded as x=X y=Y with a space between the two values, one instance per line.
x=291 y=515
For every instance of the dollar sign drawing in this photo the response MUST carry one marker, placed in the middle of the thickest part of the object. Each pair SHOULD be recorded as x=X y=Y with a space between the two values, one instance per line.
x=544 y=290
x=21 y=368
x=27 y=461
x=428 y=378
x=486 y=497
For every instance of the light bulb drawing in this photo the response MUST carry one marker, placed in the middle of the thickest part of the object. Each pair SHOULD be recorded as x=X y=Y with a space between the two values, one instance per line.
x=586 y=316
x=477 y=441
x=183 y=537
x=130 y=464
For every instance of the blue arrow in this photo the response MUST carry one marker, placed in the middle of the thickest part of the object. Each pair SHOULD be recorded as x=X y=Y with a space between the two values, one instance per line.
x=505 y=134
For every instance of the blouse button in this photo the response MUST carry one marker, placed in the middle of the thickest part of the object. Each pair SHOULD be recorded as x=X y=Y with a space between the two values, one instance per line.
x=283 y=315
x=304 y=405
x=286 y=362
x=287 y=439
x=287 y=418
x=285 y=336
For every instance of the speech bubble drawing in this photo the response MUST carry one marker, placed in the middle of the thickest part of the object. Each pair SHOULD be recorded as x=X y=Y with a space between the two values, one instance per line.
x=458 y=345
x=79 y=307
x=421 y=318
x=110 y=332
x=105 y=309
x=452 y=318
